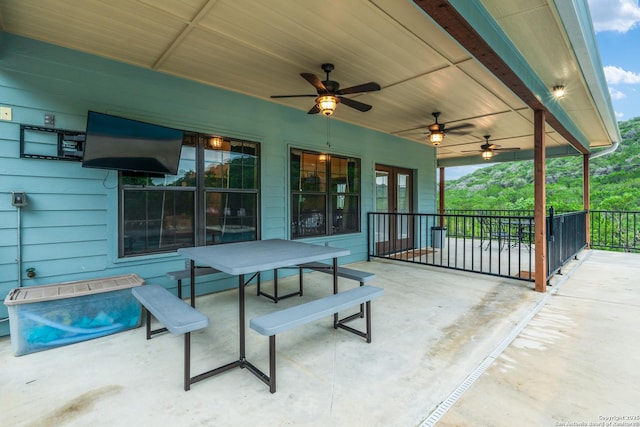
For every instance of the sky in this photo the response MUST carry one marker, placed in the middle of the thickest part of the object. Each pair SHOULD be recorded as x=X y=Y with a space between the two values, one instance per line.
x=617 y=27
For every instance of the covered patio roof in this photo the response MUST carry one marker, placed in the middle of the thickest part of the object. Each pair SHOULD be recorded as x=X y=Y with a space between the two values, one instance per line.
x=489 y=63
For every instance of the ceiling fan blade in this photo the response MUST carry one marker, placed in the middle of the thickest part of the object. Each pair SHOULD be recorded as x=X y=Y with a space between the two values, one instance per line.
x=365 y=87
x=293 y=96
x=315 y=81
x=459 y=127
x=456 y=132
x=314 y=110
x=360 y=106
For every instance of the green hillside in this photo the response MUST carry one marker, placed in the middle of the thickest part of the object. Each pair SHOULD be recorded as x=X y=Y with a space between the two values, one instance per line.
x=615 y=181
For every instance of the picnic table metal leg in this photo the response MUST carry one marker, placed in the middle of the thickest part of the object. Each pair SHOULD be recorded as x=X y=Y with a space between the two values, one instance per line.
x=300 y=281
x=148 y=323
x=276 y=296
x=272 y=363
x=301 y=278
x=187 y=361
x=241 y=324
x=368 y=319
x=335 y=288
x=275 y=285
x=361 y=305
x=193 y=284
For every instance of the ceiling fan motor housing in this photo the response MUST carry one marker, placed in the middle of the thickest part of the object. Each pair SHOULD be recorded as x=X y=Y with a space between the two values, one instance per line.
x=332 y=86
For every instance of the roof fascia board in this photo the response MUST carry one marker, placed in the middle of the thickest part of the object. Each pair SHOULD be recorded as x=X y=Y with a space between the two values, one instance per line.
x=578 y=26
x=527 y=85
x=475 y=13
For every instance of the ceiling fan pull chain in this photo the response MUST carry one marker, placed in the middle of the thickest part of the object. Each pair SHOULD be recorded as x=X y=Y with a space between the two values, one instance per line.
x=328 y=131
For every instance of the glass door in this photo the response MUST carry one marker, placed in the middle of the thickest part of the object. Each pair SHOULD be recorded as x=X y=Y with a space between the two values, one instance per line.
x=394 y=197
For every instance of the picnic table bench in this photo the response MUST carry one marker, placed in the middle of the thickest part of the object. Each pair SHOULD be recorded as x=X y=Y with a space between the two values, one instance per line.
x=176 y=316
x=289 y=318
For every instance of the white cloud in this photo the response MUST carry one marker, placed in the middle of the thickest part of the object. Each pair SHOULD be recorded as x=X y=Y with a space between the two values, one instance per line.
x=614 y=15
x=616 y=94
x=616 y=75
x=619 y=115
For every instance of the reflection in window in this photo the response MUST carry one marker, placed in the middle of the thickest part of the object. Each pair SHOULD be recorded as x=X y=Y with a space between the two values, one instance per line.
x=309 y=215
x=382 y=205
x=231 y=185
x=157 y=220
x=159 y=213
x=325 y=194
x=231 y=165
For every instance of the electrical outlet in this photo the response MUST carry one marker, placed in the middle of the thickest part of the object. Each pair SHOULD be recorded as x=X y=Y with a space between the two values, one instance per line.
x=5 y=113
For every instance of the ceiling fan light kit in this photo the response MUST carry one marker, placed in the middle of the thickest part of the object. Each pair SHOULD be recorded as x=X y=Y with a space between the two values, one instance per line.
x=329 y=94
x=436 y=137
x=437 y=131
x=327 y=104
x=488 y=150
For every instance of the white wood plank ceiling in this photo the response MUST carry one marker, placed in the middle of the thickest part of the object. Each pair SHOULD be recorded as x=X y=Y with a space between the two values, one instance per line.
x=259 y=48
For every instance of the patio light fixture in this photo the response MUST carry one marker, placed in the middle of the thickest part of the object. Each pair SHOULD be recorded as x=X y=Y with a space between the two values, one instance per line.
x=436 y=137
x=487 y=154
x=558 y=91
x=216 y=142
x=327 y=104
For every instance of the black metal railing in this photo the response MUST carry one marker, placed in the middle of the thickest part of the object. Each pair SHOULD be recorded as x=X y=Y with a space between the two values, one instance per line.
x=488 y=244
x=615 y=230
x=566 y=236
x=494 y=242
x=609 y=230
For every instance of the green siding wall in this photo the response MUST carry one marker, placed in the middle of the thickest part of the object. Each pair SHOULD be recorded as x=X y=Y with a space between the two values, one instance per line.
x=69 y=228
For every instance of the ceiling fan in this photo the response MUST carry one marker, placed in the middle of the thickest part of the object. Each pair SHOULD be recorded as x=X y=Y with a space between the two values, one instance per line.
x=329 y=94
x=438 y=130
x=488 y=150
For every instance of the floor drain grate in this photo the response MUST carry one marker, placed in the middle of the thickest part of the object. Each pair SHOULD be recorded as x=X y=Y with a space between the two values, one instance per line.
x=446 y=404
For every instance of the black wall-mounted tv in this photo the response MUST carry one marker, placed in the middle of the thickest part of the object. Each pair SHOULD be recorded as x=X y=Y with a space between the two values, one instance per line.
x=123 y=144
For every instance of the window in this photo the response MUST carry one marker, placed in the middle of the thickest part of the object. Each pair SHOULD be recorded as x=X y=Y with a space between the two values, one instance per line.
x=325 y=194
x=231 y=189
x=212 y=200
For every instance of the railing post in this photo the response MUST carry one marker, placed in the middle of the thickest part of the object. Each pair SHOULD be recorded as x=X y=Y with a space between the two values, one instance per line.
x=586 y=202
x=540 y=199
x=369 y=236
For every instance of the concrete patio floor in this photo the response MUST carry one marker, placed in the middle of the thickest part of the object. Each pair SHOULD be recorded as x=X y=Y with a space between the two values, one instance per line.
x=576 y=363
x=472 y=254
x=569 y=356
